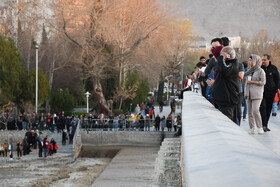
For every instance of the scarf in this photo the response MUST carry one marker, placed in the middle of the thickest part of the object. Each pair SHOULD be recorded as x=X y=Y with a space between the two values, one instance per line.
x=216 y=51
x=257 y=62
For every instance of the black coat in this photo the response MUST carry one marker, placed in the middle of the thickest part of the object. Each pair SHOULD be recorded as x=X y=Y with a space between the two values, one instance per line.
x=157 y=120
x=226 y=85
x=272 y=80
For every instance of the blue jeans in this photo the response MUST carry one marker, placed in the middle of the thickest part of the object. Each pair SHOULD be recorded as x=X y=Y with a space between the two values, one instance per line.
x=45 y=152
x=274 y=108
x=24 y=124
x=52 y=128
x=245 y=107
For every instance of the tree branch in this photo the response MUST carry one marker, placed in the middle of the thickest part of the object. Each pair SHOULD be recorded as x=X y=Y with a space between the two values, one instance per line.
x=66 y=33
x=133 y=47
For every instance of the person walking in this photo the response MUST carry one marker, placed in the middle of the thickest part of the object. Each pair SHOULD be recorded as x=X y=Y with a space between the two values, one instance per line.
x=46 y=146
x=41 y=146
x=270 y=89
x=163 y=123
x=157 y=122
x=254 y=86
x=147 y=123
x=137 y=109
x=64 y=137
x=169 y=122
x=19 y=149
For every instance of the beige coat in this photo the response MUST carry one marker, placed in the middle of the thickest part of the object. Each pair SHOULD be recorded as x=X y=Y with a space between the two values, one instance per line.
x=253 y=90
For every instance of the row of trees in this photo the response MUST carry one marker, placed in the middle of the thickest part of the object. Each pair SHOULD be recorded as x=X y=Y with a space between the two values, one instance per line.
x=113 y=49
x=16 y=85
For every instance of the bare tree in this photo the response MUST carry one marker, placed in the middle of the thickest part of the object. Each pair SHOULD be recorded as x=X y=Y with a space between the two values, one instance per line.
x=111 y=31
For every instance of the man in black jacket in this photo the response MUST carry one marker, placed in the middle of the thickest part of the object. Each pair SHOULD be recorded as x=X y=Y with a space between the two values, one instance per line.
x=157 y=122
x=270 y=89
x=226 y=85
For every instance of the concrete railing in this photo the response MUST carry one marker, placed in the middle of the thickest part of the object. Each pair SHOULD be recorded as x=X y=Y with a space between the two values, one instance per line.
x=218 y=153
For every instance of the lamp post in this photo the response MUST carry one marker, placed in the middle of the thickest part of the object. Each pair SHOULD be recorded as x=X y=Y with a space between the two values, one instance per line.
x=36 y=89
x=168 y=79
x=87 y=95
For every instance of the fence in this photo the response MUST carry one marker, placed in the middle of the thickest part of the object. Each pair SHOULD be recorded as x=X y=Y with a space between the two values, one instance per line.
x=127 y=125
x=105 y=124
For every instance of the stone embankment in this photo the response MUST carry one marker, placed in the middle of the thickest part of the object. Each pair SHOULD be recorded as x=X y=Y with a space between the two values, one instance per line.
x=168 y=163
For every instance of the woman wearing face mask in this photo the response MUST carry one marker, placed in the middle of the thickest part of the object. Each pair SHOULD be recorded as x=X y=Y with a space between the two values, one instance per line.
x=254 y=86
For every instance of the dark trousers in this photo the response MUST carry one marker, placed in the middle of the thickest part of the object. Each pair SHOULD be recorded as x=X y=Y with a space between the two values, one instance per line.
x=265 y=109
x=228 y=111
x=157 y=127
x=19 y=153
x=237 y=110
x=40 y=152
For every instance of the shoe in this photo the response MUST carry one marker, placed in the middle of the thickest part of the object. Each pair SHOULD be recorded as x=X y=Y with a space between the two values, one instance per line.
x=260 y=131
x=267 y=129
x=264 y=129
x=273 y=114
x=244 y=118
x=251 y=131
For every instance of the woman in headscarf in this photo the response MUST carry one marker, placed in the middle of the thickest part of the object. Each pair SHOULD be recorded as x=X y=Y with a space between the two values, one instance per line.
x=254 y=87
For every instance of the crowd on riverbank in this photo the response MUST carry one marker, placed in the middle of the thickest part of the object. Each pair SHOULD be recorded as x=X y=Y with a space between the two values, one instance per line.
x=142 y=118
x=32 y=141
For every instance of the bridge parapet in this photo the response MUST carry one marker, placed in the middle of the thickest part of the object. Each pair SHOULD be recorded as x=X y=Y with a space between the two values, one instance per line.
x=218 y=153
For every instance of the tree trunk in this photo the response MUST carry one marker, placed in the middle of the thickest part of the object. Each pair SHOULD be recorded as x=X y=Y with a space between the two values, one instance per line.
x=29 y=50
x=103 y=105
x=120 y=107
x=29 y=56
x=51 y=70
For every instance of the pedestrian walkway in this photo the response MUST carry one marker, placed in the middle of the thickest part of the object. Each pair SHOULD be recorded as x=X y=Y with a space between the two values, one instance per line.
x=270 y=139
x=166 y=111
x=132 y=166
x=66 y=149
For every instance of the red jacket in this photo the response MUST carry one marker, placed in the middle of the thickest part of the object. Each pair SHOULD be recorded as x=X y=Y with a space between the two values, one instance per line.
x=277 y=96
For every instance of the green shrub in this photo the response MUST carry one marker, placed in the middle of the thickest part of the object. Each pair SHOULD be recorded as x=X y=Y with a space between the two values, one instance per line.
x=62 y=101
x=80 y=113
x=117 y=112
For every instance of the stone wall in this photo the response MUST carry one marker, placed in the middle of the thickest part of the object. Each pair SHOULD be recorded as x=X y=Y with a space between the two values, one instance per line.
x=124 y=138
x=14 y=136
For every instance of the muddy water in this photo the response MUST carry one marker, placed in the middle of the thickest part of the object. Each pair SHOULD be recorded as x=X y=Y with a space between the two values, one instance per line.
x=57 y=170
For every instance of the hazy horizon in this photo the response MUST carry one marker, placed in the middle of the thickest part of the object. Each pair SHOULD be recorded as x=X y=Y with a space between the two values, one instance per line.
x=231 y=18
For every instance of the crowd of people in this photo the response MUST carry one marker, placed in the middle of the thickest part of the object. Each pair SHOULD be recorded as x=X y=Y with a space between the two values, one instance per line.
x=228 y=84
x=140 y=118
x=32 y=141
